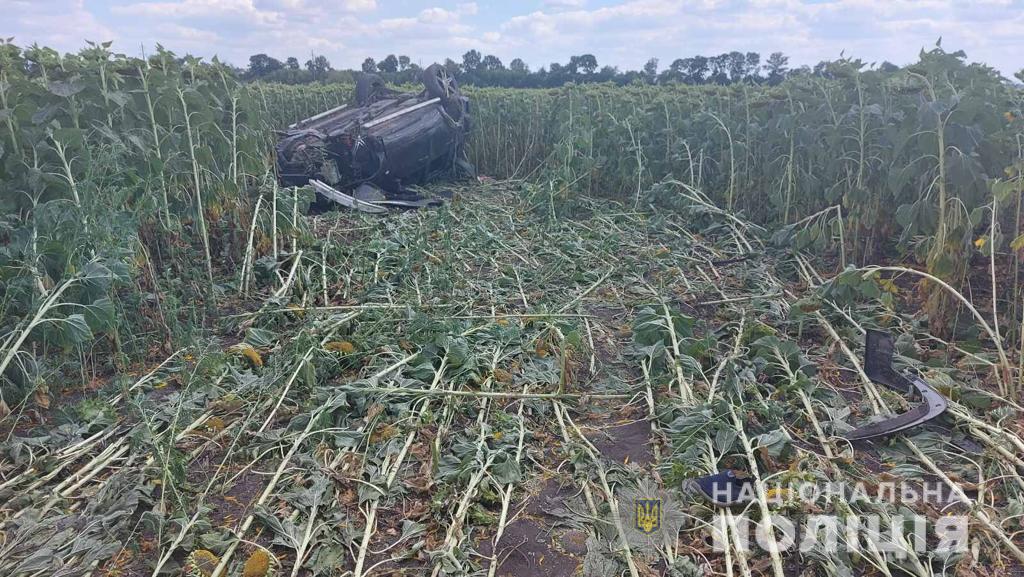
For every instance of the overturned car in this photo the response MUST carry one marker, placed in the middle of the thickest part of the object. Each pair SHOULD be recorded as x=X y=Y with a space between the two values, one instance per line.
x=384 y=142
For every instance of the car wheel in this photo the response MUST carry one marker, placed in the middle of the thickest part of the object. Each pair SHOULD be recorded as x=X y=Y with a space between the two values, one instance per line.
x=440 y=84
x=368 y=88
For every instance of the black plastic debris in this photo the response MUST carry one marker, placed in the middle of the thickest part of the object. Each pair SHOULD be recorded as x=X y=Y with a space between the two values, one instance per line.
x=878 y=367
x=722 y=489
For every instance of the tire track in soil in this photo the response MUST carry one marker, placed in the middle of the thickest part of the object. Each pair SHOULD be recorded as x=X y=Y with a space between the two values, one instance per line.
x=536 y=542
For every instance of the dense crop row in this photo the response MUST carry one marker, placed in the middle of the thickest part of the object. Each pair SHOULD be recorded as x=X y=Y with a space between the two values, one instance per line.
x=127 y=186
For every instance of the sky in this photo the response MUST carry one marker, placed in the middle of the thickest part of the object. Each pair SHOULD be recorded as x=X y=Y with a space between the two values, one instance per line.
x=623 y=33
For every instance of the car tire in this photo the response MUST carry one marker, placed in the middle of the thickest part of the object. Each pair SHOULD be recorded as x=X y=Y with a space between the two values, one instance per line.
x=368 y=88
x=440 y=83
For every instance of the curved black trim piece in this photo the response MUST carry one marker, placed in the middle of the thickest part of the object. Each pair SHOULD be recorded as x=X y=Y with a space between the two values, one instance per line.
x=878 y=367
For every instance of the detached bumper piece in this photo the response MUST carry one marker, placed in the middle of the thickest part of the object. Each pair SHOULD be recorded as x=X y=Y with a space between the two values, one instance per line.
x=329 y=192
x=878 y=367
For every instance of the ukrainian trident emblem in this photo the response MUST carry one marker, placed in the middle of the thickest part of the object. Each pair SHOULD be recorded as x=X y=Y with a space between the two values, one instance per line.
x=648 y=515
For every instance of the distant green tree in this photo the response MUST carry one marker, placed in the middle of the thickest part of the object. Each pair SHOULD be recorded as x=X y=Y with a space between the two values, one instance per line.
x=292 y=63
x=737 y=65
x=573 y=67
x=369 y=65
x=651 y=71
x=587 y=63
x=697 y=71
x=318 y=67
x=753 y=66
x=557 y=75
x=260 y=65
x=776 y=67
x=492 y=63
x=607 y=73
x=389 y=64
x=719 y=69
x=676 y=71
x=471 y=61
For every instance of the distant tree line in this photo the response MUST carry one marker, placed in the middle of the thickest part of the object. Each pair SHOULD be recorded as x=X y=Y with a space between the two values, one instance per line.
x=316 y=69
x=488 y=70
x=722 y=69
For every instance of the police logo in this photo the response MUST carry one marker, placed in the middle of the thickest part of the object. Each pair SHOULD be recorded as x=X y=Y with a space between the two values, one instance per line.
x=648 y=515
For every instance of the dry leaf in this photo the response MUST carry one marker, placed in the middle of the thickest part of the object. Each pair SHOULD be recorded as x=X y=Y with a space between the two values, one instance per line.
x=42 y=397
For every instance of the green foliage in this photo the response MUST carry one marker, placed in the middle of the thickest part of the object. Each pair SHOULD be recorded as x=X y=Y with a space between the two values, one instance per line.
x=651 y=327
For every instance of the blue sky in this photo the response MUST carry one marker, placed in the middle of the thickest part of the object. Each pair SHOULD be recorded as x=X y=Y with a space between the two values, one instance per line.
x=620 y=32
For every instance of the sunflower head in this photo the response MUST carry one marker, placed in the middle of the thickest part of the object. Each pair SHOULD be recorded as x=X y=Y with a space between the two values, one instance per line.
x=200 y=563
x=343 y=347
x=259 y=564
x=249 y=352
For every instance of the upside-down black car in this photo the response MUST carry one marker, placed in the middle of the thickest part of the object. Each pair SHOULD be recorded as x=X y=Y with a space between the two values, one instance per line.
x=388 y=139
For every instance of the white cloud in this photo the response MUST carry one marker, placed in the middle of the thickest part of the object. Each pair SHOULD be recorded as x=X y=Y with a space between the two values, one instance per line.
x=246 y=10
x=60 y=24
x=563 y=4
x=359 y=5
x=311 y=6
x=632 y=13
x=437 y=16
x=430 y=22
x=195 y=35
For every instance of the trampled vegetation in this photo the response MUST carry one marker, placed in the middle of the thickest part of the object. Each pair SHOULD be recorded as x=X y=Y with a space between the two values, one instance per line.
x=652 y=283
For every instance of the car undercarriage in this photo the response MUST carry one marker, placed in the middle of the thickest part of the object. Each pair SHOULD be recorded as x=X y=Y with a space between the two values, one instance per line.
x=383 y=142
